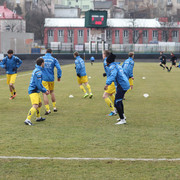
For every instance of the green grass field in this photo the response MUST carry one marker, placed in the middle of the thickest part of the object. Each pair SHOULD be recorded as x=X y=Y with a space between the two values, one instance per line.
x=81 y=129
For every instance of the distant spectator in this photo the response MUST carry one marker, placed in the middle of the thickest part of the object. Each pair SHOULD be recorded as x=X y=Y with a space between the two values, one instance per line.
x=92 y=59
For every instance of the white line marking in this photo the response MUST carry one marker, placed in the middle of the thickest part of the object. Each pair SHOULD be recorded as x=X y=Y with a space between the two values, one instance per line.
x=89 y=159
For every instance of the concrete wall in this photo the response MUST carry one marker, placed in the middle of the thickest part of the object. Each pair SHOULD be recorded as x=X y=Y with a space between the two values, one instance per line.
x=19 y=42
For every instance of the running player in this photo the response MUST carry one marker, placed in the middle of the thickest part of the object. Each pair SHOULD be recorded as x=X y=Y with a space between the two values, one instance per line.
x=108 y=95
x=48 y=78
x=11 y=63
x=92 y=59
x=173 y=60
x=162 y=63
x=81 y=75
x=34 y=89
x=117 y=75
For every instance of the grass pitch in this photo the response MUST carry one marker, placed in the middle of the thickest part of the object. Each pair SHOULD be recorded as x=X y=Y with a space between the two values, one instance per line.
x=81 y=128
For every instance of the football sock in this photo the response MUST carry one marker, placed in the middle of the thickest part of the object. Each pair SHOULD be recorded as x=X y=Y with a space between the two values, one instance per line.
x=12 y=93
x=82 y=88
x=129 y=89
x=47 y=107
x=120 y=109
x=109 y=103
x=31 y=112
x=161 y=65
x=89 y=88
x=112 y=98
x=38 y=112
x=167 y=68
x=170 y=68
x=14 y=90
x=54 y=104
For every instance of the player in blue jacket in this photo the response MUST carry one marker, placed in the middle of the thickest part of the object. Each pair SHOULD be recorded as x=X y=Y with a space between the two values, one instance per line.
x=34 y=89
x=128 y=66
x=11 y=63
x=117 y=75
x=81 y=75
x=92 y=59
x=48 y=78
x=108 y=95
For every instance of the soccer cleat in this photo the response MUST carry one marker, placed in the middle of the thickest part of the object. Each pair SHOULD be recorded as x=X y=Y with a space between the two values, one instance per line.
x=86 y=95
x=91 y=95
x=28 y=122
x=40 y=119
x=11 y=98
x=122 y=121
x=112 y=113
x=55 y=110
x=47 y=112
x=14 y=95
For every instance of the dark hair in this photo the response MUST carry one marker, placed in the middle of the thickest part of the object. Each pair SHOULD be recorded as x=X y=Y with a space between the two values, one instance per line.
x=106 y=52
x=10 y=51
x=131 y=54
x=111 y=58
x=39 y=61
x=49 y=51
x=76 y=54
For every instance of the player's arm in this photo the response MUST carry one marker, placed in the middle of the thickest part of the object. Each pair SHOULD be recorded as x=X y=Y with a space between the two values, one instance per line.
x=131 y=70
x=78 y=67
x=38 y=81
x=3 y=63
x=59 y=71
x=19 y=62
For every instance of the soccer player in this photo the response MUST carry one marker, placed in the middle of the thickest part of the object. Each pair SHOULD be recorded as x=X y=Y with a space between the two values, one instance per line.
x=34 y=89
x=108 y=95
x=128 y=66
x=81 y=75
x=11 y=63
x=48 y=78
x=92 y=59
x=173 y=60
x=162 y=63
x=117 y=75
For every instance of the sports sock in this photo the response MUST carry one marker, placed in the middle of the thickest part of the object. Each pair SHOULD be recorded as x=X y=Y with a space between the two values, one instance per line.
x=167 y=68
x=38 y=112
x=161 y=65
x=82 y=88
x=89 y=88
x=14 y=90
x=120 y=109
x=31 y=112
x=47 y=107
x=109 y=103
x=129 y=89
x=12 y=93
x=54 y=104
x=112 y=98
x=170 y=68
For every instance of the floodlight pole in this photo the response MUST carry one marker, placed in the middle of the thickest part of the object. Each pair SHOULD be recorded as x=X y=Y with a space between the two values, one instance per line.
x=90 y=49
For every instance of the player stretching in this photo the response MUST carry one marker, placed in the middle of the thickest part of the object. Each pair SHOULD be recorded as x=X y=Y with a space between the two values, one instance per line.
x=48 y=78
x=11 y=63
x=34 y=89
x=163 y=61
x=173 y=60
x=109 y=93
x=81 y=75
x=117 y=75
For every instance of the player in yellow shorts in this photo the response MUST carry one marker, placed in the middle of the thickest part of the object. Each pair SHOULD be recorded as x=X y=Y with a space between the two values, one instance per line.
x=11 y=63
x=81 y=75
x=108 y=95
x=48 y=79
x=34 y=89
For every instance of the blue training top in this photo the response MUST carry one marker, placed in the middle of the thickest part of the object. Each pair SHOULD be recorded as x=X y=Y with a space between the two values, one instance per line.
x=80 y=66
x=128 y=66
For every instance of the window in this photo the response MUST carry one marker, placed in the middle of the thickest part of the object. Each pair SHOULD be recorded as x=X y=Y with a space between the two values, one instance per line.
x=174 y=34
x=88 y=33
x=135 y=33
x=125 y=34
x=80 y=33
x=76 y=0
x=178 y=1
x=108 y=33
x=50 y=33
x=61 y=33
x=155 y=33
x=154 y=1
x=145 y=33
x=116 y=33
x=70 y=33
x=86 y=7
x=8 y=28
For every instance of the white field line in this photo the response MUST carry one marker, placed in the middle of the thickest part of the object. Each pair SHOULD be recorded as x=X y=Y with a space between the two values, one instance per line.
x=90 y=159
x=22 y=75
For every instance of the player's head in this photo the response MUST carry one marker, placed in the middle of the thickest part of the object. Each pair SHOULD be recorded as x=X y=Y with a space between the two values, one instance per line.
x=49 y=51
x=106 y=53
x=10 y=53
x=76 y=54
x=40 y=62
x=131 y=54
x=111 y=58
x=172 y=54
x=161 y=52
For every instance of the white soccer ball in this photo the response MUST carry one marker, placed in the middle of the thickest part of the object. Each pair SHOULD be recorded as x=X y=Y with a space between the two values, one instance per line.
x=143 y=77
x=146 y=95
x=89 y=77
x=71 y=96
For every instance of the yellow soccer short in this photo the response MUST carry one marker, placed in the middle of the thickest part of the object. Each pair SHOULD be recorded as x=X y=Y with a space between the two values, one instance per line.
x=11 y=78
x=131 y=81
x=35 y=98
x=111 y=89
x=48 y=85
x=82 y=79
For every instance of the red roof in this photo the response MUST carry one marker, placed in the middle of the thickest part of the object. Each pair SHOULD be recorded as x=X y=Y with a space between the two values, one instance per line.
x=6 y=13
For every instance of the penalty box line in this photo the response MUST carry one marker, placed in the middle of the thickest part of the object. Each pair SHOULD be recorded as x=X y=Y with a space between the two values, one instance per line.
x=90 y=159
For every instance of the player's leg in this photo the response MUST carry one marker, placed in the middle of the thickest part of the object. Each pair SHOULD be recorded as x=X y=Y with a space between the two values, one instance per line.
x=170 y=67
x=161 y=65
x=131 y=84
x=166 y=67
x=79 y=79
x=89 y=89
x=38 y=112
x=53 y=99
